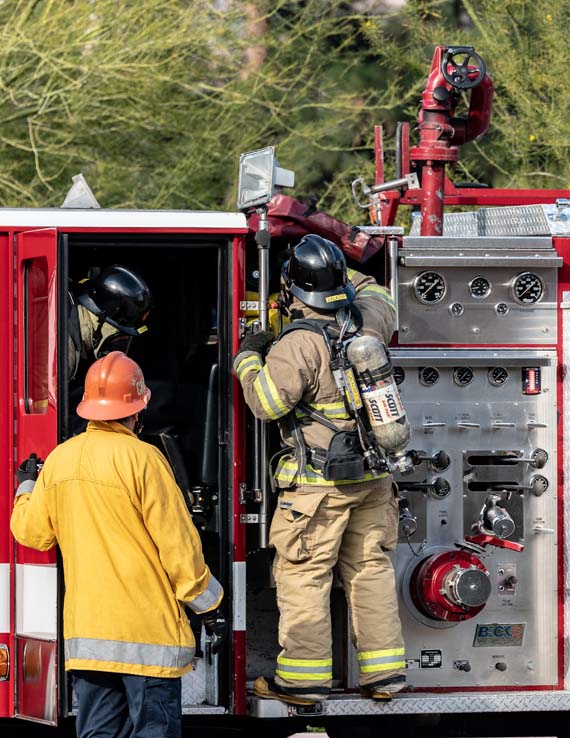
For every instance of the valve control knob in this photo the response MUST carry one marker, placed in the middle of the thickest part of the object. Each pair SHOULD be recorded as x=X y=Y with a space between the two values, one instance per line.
x=464 y=666
x=501 y=666
x=440 y=460
x=538 y=459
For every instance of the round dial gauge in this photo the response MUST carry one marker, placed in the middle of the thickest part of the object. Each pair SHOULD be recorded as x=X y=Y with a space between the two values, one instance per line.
x=399 y=374
x=428 y=376
x=527 y=288
x=463 y=376
x=497 y=375
x=480 y=287
x=429 y=287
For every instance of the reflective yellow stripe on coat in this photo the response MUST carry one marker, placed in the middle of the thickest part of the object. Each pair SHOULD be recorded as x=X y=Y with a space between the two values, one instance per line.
x=332 y=410
x=268 y=395
x=381 y=292
x=287 y=471
x=252 y=362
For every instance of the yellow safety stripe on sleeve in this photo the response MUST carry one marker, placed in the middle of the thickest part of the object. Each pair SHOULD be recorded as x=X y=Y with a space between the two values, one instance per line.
x=382 y=292
x=250 y=363
x=388 y=659
x=287 y=472
x=268 y=395
x=333 y=410
x=316 y=670
x=350 y=273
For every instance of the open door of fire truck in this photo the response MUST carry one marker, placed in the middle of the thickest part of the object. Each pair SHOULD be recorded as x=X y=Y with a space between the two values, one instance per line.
x=35 y=622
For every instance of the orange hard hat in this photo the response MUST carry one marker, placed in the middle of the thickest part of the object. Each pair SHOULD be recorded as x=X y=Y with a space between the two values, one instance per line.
x=114 y=389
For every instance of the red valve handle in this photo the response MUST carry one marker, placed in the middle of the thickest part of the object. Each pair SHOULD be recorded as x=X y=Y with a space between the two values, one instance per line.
x=483 y=539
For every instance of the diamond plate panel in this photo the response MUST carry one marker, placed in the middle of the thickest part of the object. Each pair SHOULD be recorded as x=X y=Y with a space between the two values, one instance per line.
x=525 y=220
x=483 y=702
x=521 y=220
x=194 y=684
x=200 y=686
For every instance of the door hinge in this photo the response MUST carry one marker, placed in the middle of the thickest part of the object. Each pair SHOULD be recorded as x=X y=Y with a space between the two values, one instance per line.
x=249 y=495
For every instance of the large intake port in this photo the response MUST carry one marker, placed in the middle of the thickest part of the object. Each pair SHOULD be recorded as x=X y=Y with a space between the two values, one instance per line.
x=450 y=586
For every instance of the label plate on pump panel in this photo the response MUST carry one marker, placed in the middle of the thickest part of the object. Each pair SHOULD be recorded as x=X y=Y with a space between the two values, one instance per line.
x=499 y=634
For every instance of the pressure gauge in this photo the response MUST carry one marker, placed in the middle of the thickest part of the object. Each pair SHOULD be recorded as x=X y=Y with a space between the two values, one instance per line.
x=428 y=376
x=399 y=374
x=462 y=376
x=480 y=287
x=527 y=288
x=497 y=376
x=429 y=287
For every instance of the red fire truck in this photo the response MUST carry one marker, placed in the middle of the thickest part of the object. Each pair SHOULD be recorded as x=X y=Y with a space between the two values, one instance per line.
x=480 y=357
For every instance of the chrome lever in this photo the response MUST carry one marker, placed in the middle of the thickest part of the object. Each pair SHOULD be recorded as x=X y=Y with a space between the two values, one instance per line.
x=497 y=424
x=539 y=530
x=434 y=424
x=538 y=458
x=532 y=424
x=467 y=426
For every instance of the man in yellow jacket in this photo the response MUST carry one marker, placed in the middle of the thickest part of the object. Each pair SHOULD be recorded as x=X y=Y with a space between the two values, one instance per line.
x=132 y=559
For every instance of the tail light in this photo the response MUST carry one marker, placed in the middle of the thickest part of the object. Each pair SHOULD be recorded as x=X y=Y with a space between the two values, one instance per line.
x=4 y=662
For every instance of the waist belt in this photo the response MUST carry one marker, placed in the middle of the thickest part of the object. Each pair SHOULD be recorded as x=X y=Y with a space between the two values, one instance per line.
x=342 y=460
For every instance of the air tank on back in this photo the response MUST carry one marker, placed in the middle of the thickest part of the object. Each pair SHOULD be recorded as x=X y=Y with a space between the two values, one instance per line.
x=379 y=393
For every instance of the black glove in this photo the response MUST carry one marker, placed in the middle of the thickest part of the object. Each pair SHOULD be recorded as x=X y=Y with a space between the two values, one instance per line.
x=258 y=342
x=216 y=627
x=29 y=469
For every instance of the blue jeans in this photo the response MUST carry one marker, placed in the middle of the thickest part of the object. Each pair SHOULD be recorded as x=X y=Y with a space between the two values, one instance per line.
x=127 y=706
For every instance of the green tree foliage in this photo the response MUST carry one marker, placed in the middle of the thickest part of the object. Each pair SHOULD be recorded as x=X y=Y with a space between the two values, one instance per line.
x=153 y=100
x=526 y=46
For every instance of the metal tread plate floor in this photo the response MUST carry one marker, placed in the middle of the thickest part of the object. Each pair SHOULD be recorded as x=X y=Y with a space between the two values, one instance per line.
x=410 y=704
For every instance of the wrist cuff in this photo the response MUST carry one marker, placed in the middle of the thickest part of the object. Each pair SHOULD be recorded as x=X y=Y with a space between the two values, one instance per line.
x=255 y=362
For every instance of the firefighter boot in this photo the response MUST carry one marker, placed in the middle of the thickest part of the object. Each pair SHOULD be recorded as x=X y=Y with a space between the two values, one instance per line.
x=384 y=692
x=267 y=689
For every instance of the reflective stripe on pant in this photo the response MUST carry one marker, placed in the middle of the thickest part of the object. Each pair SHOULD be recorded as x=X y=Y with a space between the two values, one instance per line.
x=127 y=706
x=312 y=530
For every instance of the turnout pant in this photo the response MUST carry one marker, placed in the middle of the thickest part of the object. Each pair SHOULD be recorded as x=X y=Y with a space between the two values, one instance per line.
x=127 y=706
x=314 y=528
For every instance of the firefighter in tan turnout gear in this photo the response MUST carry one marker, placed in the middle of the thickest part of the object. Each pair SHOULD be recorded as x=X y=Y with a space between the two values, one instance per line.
x=132 y=559
x=331 y=508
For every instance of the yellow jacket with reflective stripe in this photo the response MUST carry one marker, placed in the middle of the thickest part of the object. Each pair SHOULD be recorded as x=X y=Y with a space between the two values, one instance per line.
x=297 y=368
x=130 y=552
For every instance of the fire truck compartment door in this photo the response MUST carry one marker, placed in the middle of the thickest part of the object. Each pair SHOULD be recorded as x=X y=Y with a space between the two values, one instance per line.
x=35 y=616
